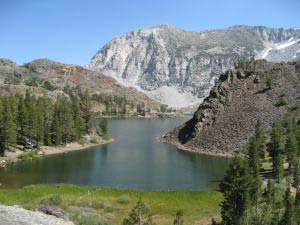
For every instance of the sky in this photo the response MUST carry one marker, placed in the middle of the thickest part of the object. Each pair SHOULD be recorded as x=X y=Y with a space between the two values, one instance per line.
x=72 y=31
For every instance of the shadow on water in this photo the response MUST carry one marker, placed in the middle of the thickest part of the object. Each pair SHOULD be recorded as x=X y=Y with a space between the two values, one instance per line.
x=135 y=160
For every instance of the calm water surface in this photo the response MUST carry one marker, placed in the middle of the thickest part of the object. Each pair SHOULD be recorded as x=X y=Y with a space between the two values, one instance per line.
x=134 y=160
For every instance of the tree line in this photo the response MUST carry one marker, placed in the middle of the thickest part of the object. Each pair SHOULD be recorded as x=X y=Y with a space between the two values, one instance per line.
x=256 y=194
x=44 y=120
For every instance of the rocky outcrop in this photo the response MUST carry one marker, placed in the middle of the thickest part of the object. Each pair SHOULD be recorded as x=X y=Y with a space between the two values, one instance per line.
x=16 y=215
x=227 y=117
x=166 y=62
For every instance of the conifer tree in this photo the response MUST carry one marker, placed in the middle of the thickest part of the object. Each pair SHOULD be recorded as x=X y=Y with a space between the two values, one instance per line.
x=21 y=121
x=104 y=129
x=47 y=111
x=40 y=121
x=291 y=144
x=86 y=107
x=297 y=207
x=56 y=126
x=287 y=218
x=235 y=189
x=66 y=118
x=255 y=152
x=31 y=118
x=79 y=127
x=277 y=149
x=8 y=126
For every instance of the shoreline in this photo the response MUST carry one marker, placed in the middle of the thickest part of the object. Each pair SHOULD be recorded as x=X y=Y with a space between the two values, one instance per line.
x=191 y=150
x=12 y=157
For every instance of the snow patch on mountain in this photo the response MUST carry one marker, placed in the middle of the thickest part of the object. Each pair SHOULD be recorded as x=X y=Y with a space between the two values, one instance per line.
x=287 y=44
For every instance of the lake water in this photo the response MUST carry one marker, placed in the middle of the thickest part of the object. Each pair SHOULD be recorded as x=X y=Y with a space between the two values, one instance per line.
x=133 y=161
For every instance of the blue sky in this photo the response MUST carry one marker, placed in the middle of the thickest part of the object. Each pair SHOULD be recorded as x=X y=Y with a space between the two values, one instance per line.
x=71 y=31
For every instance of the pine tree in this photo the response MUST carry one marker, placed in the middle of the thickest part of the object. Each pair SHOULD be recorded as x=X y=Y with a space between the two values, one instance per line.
x=287 y=218
x=47 y=111
x=277 y=148
x=296 y=173
x=56 y=125
x=31 y=118
x=297 y=207
x=178 y=218
x=139 y=215
x=79 y=127
x=104 y=129
x=260 y=136
x=21 y=121
x=291 y=144
x=86 y=106
x=9 y=129
x=235 y=189
x=40 y=121
x=270 y=201
x=255 y=152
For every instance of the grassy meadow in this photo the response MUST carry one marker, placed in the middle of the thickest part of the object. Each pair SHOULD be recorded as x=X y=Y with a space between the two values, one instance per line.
x=86 y=205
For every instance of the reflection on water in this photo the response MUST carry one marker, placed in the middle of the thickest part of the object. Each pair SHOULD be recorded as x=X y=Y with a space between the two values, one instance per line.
x=135 y=160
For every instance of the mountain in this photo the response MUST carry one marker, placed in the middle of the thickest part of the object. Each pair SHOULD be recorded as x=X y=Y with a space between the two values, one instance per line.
x=53 y=78
x=259 y=90
x=178 y=67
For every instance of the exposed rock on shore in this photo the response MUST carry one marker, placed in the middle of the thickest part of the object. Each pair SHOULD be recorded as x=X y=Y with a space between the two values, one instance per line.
x=15 y=215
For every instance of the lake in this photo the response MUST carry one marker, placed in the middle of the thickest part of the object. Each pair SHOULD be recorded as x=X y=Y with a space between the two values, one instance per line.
x=135 y=160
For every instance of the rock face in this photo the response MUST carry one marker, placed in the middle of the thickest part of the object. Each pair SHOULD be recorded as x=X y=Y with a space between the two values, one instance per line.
x=227 y=117
x=178 y=67
x=15 y=215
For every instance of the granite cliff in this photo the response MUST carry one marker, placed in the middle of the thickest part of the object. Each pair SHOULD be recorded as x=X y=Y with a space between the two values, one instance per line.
x=178 y=67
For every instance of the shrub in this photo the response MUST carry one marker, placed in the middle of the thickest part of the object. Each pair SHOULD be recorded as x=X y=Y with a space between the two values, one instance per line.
x=281 y=102
x=87 y=216
x=48 y=86
x=28 y=155
x=87 y=203
x=105 y=205
x=94 y=140
x=269 y=82
x=51 y=200
x=124 y=199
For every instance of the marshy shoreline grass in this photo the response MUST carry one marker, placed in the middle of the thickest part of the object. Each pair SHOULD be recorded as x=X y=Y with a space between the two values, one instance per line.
x=115 y=204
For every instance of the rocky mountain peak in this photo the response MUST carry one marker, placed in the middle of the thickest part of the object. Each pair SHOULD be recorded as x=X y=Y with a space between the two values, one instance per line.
x=169 y=63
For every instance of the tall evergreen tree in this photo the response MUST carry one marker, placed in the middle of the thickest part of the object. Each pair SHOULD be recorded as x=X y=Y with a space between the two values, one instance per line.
x=291 y=144
x=235 y=189
x=86 y=106
x=8 y=126
x=277 y=149
x=104 y=129
x=79 y=126
x=297 y=207
x=287 y=218
x=255 y=153
x=47 y=111
x=21 y=121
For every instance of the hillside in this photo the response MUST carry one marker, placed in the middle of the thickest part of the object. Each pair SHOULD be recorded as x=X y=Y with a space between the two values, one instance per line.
x=258 y=90
x=178 y=67
x=45 y=76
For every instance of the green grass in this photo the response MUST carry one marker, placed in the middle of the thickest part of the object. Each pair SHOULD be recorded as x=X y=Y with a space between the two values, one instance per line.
x=198 y=206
